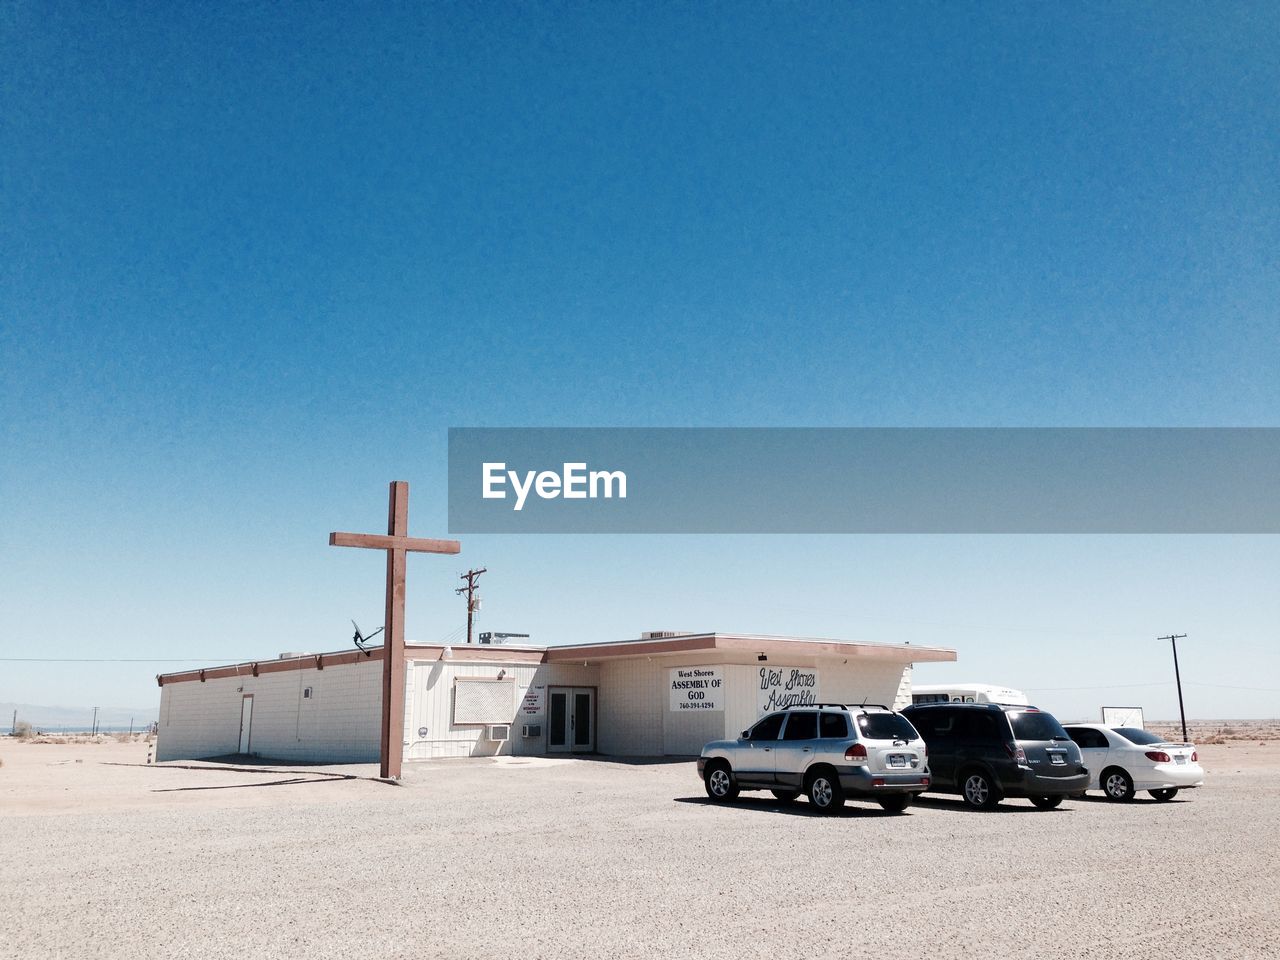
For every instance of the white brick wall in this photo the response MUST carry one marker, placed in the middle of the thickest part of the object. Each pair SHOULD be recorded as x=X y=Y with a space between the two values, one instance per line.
x=339 y=723
x=429 y=728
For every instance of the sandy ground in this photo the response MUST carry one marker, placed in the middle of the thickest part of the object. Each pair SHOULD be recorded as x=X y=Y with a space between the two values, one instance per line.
x=579 y=858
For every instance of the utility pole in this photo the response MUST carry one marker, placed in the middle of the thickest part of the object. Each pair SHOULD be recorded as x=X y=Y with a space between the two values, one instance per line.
x=13 y=730
x=95 y=721
x=473 y=601
x=1173 y=638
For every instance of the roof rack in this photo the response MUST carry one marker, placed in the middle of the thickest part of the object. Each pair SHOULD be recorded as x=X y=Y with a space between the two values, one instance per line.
x=838 y=706
x=814 y=706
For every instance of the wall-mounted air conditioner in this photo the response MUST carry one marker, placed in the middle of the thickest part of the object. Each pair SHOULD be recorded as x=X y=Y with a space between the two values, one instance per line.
x=531 y=731
x=498 y=731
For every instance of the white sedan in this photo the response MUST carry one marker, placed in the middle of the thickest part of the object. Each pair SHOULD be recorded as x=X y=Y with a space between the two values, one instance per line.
x=1122 y=760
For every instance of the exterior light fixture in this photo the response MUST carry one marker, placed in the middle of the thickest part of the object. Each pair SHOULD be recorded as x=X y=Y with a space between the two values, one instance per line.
x=761 y=657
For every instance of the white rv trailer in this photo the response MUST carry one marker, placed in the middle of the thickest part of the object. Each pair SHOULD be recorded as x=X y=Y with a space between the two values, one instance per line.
x=967 y=693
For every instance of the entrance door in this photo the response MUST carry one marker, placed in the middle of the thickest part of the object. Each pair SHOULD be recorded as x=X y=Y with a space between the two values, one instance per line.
x=571 y=720
x=246 y=721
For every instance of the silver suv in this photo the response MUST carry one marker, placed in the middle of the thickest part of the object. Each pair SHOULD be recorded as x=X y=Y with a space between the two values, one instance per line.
x=828 y=751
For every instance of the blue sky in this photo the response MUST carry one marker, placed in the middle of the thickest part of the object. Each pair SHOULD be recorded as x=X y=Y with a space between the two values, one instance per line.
x=257 y=260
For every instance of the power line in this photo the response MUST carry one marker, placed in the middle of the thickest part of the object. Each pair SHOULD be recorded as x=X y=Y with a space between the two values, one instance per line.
x=1110 y=686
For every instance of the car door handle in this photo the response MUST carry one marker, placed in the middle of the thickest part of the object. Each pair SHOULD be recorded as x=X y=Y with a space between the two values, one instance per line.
x=807 y=750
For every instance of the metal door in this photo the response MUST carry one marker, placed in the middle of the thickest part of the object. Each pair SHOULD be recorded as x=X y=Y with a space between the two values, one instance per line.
x=246 y=722
x=571 y=722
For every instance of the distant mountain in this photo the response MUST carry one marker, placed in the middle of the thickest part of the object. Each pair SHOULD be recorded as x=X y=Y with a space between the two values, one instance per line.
x=52 y=719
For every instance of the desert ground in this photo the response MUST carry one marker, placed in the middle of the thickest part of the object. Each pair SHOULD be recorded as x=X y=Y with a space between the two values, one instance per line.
x=106 y=856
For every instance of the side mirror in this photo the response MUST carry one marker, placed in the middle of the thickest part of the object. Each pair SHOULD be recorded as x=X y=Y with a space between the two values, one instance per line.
x=745 y=733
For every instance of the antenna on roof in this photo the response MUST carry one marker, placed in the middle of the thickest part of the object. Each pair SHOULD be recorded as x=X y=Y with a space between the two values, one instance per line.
x=360 y=639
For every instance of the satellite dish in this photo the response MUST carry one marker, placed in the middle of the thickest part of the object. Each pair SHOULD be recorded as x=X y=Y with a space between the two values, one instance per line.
x=360 y=639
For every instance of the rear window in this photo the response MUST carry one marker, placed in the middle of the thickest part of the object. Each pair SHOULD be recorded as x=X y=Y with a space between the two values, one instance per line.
x=1036 y=726
x=1136 y=735
x=885 y=726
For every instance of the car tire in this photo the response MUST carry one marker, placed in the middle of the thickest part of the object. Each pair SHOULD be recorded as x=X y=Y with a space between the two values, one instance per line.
x=785 y=796
x=824 y=791
x=895 y=803
x=719 y=781
x=1117 y=785
x=1047 y=803
x=979 y=790
x=1164 y=795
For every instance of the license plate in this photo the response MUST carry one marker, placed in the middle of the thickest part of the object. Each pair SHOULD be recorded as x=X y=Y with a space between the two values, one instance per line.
x=1179 y=759
x=1057 y=758
x=897 y=760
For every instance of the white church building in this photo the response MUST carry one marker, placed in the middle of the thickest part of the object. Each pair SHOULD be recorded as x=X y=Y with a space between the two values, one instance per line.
x=665 y=694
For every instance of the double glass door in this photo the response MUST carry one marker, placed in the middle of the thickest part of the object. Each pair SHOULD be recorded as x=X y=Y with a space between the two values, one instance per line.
x=571 y=720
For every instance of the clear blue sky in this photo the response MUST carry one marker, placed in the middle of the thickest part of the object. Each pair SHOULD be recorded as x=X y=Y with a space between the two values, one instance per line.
x=257 y=259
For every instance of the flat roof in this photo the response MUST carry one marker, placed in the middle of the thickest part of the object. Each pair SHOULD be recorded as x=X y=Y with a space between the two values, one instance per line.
x=750 y=643
x=609 y=650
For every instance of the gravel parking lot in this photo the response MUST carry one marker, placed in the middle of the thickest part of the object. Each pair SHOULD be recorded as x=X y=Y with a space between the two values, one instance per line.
x=584 y=858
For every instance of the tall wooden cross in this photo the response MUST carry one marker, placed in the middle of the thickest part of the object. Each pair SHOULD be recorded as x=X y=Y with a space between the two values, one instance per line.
x=397 y=543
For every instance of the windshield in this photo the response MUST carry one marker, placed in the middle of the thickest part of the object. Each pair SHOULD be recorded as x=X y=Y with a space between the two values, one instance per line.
x=885 y=726
x=1138 y=736
x=1036 y=726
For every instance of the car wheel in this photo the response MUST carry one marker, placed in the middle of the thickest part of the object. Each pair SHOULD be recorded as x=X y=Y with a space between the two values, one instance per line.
x=1168 y=793
x=785 y=796
x=1117 y=784
x=720 y=783
x=1046 y=803
x=979 y=791
x=825 y=792
x=896 y=803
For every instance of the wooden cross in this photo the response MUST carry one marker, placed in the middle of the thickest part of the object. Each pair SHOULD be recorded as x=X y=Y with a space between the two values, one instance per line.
x=397 y=543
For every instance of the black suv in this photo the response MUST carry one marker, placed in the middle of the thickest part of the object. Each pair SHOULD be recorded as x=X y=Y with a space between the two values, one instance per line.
x=986 y=752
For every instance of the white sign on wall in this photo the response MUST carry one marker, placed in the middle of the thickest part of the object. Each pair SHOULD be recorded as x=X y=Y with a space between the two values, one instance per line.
x=697 y=688
x=533 y=704
x=780 y=687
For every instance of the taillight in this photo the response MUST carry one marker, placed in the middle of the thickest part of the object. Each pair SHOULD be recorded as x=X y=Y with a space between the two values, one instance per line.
x=1195 y=757
x=1016 y=753
x=1159 y=756
x=856 y=752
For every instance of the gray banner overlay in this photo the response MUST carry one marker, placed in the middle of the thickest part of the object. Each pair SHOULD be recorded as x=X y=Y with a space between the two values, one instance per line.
x=864 y=480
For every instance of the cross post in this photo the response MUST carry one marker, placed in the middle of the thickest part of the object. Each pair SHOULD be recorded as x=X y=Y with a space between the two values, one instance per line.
x=398 y=544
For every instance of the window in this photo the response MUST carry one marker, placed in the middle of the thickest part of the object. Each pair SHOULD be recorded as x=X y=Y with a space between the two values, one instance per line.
x=885 y=726
x=1088 y=739
x=1138 y=736
x=801 y=726
x=935 y=723
x=768 y=728
x=982 y=725
x=930 y=698
x=1037 y=726
x=833 y=725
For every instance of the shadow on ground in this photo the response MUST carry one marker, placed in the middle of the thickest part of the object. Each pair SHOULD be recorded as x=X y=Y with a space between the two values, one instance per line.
x=854 y=809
